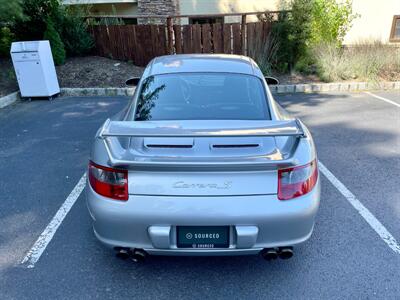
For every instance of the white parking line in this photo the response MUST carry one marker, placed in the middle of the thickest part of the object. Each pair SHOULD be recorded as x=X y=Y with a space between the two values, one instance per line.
x=383 y=99
x=362 y=210
x=44 y=239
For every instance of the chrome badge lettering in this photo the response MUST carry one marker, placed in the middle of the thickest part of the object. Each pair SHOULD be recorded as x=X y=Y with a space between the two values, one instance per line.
x=184 y=185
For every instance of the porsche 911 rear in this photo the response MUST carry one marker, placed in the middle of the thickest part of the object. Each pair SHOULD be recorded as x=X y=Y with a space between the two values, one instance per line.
x=203 y=162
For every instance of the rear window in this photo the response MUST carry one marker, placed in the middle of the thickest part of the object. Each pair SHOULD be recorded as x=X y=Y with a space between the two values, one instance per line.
x=201 y=96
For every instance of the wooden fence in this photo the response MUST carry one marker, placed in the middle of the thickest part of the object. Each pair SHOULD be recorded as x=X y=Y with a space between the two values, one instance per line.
x=141 y=43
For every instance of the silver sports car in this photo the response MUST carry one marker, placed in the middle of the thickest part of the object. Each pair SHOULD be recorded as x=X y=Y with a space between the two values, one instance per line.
x=203 y=161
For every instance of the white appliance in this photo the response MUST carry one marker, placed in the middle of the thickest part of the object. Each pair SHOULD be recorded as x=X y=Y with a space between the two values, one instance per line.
x=34 y=68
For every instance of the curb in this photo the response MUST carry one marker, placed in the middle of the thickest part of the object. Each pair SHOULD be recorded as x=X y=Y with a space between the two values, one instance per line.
x=9 y=99
x=275 y=89
x=97 y=92
x=334 y=87
x=74 y=92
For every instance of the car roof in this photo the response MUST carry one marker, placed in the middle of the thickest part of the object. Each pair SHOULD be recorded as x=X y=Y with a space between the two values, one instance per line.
x=192 y=63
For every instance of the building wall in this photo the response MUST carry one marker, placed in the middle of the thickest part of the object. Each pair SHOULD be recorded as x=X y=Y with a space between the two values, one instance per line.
x=375 y=21
x=111 y=9
x=89 y=2
x=198 y=7
x=157 y=7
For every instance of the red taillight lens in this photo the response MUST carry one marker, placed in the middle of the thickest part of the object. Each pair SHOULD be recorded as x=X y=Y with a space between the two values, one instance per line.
x=297 y=181
x=109 y=182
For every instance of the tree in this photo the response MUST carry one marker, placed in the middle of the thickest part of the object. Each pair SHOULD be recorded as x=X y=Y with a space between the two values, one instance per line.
x=74 y=32
x=10 y=12
x=331 y=20
x=292 y=31
x=57 y=46
x=308 y=24
x=67 y=21
x=38 y=12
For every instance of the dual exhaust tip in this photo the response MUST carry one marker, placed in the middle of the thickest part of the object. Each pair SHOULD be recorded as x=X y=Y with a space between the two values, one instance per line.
x=273 y=253
x=139 y=255
x=136 y=255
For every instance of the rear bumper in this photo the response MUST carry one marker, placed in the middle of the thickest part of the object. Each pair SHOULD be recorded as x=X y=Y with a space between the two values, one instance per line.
x=256 y=222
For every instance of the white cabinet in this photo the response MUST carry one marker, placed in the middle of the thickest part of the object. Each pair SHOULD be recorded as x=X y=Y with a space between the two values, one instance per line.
x=34 y=68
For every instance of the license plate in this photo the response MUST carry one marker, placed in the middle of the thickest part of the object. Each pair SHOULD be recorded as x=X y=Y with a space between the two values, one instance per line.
x=203 y=237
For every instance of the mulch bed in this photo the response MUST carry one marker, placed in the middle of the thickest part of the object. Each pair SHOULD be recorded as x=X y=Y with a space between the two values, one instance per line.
x=8 y=82
x=296 y=78
x=89 y=71
x=95 y=71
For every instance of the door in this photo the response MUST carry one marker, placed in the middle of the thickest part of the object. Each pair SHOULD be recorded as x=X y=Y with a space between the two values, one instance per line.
x=30 y=78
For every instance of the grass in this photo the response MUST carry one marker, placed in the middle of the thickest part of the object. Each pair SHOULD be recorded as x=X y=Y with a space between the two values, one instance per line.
x=366 y=61
x=263 y=50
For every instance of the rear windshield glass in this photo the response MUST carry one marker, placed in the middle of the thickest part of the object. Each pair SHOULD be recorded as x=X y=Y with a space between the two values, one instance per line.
x=200 y=96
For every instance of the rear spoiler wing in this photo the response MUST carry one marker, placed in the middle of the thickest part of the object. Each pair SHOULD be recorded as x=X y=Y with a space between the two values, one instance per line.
x=140 y=129
x=121 y=157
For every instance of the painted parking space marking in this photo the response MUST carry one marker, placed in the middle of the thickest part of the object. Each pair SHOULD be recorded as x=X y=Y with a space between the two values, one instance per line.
x=33 y=255
x=383 y=99
x=384 y=234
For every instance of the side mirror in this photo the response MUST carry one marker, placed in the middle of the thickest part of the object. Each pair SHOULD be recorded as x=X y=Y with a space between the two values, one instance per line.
x=271 y=80
x=132 y=81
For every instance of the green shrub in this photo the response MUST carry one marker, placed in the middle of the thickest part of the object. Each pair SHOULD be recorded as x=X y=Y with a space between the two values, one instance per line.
x=6 y=38
x=367 y=61
x=10 y=12
x=264 y=52
x=309 y=23
x=68 y=22
x=331 y=20
x=305 y=64
x=38 y=12
x=292 y=30
x=57 y=46
x=75 y=35
x=281 y=31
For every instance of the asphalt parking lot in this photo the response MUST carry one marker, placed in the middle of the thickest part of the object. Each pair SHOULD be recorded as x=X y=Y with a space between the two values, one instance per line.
x=44 y=148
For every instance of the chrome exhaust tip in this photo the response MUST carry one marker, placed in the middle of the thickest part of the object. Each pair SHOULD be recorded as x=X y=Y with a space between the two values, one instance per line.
x=122 y=253
x=285 y=252
x=269 y=254
x=138 y=255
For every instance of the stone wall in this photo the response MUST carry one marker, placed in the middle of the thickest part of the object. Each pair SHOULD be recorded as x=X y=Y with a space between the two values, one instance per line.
x=157 y=7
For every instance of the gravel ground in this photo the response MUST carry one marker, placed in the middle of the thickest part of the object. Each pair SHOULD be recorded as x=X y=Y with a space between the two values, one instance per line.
x=89 y=71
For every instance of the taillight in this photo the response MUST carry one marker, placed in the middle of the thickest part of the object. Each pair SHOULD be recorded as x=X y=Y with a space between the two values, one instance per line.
x=109 y=182
x=297 y=181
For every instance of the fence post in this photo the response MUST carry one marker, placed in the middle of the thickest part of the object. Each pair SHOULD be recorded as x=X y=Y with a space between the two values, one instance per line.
x=170 y=31
x=243 y=34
